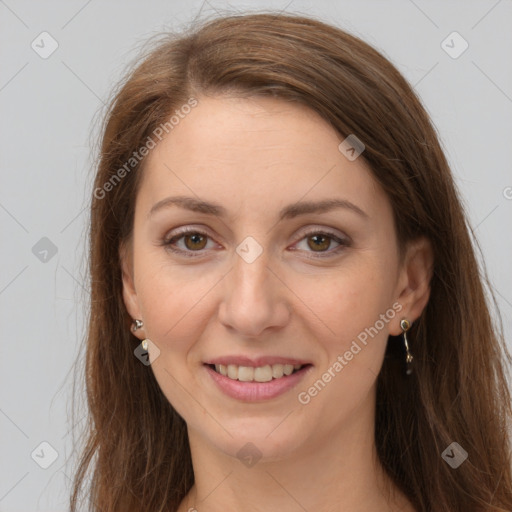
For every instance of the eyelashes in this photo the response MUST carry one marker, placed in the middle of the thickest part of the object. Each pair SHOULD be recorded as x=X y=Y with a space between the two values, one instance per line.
x=320 y=238
x=185 y=233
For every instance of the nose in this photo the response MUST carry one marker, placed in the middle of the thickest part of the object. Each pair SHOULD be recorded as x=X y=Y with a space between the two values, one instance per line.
x=254 y=298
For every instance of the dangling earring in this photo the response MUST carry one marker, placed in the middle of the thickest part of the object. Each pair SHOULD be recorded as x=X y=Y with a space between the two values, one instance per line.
x=405 y=325
x=137 y=324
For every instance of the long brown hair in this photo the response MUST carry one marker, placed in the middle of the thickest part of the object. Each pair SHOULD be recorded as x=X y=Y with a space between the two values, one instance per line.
x=136 y=444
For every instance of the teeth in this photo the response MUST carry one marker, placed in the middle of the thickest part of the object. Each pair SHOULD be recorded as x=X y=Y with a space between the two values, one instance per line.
x=263 y=374
x=288 y=369
x=259 y=374
x=245 y=373
x=277 y=371
x=232 y=371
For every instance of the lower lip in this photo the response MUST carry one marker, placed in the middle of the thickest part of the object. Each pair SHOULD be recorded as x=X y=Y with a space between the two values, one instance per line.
x=257 y=391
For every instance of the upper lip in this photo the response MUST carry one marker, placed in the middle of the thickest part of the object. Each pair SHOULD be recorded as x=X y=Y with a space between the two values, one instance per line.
x=255 y=361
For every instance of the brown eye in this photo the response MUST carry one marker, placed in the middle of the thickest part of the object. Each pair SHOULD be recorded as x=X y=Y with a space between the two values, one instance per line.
x=322 y=243
x=190 y=242
x=319 y=242
x=195 y=241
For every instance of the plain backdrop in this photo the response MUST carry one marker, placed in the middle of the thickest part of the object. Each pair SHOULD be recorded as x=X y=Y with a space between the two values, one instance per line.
x=49 y=113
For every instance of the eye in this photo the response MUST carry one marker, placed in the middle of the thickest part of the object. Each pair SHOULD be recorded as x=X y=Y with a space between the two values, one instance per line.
x=320 y=241
x=193 y=240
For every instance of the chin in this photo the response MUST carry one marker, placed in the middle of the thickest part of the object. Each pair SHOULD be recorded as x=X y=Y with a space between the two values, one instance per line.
x=257 y=439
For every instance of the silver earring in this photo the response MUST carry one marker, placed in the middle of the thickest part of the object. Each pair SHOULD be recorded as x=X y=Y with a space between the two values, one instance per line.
x=137 y=324
x=405 y=325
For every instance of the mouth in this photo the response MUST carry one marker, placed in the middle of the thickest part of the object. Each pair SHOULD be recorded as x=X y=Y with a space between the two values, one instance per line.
x=256 y=383
x=264 y=373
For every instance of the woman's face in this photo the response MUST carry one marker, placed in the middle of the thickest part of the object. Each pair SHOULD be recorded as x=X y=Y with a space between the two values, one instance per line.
x=264 y=276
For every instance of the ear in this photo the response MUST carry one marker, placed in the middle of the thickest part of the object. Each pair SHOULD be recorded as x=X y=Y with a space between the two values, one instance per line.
x=413 y=285
x=129 y=292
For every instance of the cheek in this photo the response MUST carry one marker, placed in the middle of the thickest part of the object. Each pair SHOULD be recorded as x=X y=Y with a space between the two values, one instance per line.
x=350 y=300
x=355 y=306
x=356 y=310
x=173 y=302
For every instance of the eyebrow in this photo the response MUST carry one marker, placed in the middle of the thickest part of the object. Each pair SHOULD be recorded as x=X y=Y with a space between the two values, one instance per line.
x=288 y=212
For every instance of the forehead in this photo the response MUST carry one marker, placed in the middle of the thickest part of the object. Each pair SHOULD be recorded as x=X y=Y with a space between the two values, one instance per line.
x=262 y=152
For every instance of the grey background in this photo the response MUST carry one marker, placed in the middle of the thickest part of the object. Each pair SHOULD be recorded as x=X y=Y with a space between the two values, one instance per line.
x=49 y=108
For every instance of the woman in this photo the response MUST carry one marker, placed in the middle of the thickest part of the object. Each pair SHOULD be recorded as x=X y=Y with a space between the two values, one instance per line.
x=287 y=312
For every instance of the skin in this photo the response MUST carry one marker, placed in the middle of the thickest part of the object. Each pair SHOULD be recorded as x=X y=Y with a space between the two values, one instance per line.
x=253 y=157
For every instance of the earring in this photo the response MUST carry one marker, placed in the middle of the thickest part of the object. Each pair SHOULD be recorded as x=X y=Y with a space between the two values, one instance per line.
x=405 y=325
x=137 y=324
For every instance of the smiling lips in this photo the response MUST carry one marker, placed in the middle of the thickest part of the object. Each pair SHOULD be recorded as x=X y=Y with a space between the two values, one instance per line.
x=259 y=374
x=262 y=369
x=256 y=379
